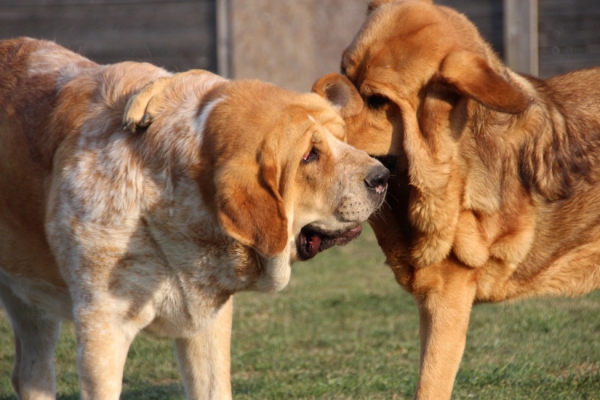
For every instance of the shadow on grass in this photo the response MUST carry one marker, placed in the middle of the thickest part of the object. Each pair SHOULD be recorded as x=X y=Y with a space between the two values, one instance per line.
x=158 y=392
x=152 y=392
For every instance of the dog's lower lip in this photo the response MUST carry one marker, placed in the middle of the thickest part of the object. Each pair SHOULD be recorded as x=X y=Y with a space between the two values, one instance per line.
x=311 y=242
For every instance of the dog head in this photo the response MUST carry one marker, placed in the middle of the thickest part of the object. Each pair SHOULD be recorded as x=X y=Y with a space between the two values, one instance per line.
x=406 y=53
x=409 y=79
x=273 y=166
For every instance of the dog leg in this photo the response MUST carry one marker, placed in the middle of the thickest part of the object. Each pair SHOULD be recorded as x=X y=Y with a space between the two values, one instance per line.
x=35 y=334
x=204 y=358
x=444 y=312
x=102 y=346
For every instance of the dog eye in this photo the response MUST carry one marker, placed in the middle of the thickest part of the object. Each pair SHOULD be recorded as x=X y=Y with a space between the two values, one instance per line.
x=376 y=101
x=311 y=156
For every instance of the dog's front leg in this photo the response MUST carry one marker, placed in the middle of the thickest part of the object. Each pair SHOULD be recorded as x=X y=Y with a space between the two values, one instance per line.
x=102 y=346
x=204 y=358
x=447 y=293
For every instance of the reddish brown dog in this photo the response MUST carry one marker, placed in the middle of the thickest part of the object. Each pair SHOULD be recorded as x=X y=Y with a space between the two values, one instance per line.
x=497 y=193
x=155 y=231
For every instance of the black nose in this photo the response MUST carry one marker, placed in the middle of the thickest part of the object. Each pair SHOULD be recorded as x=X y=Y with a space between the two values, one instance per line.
x=377 y=178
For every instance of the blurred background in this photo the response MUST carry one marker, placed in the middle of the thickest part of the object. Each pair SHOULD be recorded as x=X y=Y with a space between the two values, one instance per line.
x=288 y=42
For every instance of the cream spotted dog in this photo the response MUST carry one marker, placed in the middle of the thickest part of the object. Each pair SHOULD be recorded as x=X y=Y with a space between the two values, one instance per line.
x=229 y=183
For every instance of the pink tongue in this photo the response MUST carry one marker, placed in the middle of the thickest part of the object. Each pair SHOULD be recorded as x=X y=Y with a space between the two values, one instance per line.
x=314 y=243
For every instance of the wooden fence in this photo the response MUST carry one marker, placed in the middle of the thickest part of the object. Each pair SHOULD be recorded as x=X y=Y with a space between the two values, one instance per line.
x=175 y=34
x=290 y=42
x=568 y=32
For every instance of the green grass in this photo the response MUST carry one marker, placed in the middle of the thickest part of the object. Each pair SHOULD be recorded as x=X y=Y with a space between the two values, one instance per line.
x=343 y=329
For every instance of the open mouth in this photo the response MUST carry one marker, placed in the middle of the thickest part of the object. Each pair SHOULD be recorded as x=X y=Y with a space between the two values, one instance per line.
x=311 y=242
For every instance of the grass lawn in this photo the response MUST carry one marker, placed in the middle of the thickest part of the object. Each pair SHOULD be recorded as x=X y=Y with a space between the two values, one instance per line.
x=344 y=329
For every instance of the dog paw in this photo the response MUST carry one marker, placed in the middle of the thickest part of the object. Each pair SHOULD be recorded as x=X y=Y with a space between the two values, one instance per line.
x=141 y=108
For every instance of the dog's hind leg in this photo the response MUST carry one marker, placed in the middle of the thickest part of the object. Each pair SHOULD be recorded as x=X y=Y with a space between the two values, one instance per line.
x=445 y=304
x=36 y=334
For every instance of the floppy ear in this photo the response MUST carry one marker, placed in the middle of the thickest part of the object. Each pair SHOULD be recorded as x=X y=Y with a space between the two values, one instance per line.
x=473 y=76
x=249 y=206
x=340 y=92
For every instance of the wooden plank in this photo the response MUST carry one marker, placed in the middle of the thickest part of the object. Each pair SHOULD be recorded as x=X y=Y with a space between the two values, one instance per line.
x=521 y=36
x=177 y=36
x=44 y=3
x=472 y=8
x=555 y=64
x=569 y=7
x=567 y=31
x=223 y=38
x=569 y=35
x=485 y=14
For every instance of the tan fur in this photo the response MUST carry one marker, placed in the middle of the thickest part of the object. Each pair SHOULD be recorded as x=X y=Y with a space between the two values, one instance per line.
x=497 y=186
x=156 y=230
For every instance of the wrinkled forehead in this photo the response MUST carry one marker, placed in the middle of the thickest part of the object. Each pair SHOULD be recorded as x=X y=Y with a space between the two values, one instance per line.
x=323 y=117
x=370 y=39
x=399 y=44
